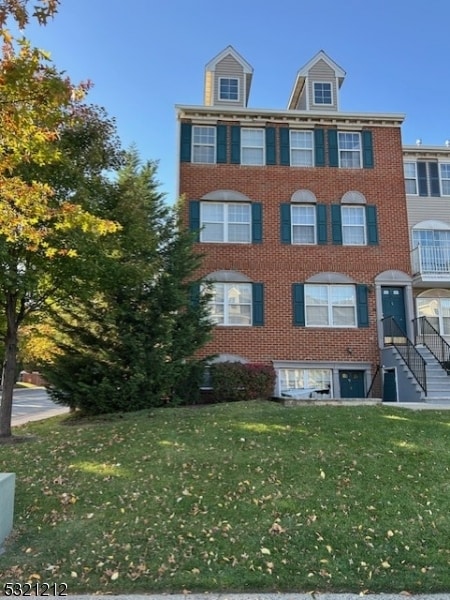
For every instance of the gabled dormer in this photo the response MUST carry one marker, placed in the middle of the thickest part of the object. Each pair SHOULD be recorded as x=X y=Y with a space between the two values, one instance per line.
x=317 y=85
x=228 y=77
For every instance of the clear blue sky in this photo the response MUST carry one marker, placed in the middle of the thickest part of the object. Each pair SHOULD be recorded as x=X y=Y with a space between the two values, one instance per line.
x=145 y=56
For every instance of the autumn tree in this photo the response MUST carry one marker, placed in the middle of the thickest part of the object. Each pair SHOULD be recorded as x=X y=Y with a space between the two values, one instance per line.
x=132 y=345
x=44 y=228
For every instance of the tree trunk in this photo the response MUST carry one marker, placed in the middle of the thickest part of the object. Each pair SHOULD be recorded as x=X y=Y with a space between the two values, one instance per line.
x=9 y=368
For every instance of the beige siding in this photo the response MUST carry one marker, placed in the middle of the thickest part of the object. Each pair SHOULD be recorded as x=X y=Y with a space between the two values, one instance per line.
x=229 y=67
x=208 y=89
x=426 y=208
x=322 y=72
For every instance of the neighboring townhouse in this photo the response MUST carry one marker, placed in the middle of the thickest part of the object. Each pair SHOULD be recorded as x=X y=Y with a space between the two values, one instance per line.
x=302 y=219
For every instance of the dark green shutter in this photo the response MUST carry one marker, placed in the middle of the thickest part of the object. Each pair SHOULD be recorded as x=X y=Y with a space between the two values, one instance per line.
x=194 y=294
x=367 y=149
x=221 y=144
x=270 y=146
x=422 y=177
x=285 y=223
x=194 y=218
x=258 y=304
x=362 y=307
x=434 y=179
x=321 y=213
x=185 y=142
x=372 y=226
x=257 y=223
x=298 y=304
x=235 y=145
x=333 y=154
x=284 y=146
x=336 y=224
x=319 y=147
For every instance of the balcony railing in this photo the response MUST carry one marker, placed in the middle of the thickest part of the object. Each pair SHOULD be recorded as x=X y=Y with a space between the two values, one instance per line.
x=431 y=261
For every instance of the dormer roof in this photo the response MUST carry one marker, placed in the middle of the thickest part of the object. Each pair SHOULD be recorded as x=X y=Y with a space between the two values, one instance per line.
x=229 y=65
x=322 y=69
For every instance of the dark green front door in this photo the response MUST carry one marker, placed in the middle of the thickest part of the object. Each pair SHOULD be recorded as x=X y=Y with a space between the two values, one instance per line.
x=352 y=384
x=393 y=300
x=389 y=386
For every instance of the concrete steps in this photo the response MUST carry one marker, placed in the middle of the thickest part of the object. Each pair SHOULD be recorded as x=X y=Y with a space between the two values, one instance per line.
x=438 y=381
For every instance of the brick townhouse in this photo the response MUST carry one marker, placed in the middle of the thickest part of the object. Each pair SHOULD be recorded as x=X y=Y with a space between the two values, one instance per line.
x=303 y=222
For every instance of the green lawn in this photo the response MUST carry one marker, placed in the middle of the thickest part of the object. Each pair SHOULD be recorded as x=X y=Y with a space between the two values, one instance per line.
x=240 y=497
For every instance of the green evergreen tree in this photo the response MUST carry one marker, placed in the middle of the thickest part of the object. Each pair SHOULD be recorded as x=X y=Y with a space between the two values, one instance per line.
x=132 y=343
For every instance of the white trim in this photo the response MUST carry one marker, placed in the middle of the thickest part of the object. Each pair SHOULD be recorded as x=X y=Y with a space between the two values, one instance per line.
x=263 y=147
x=446 y=179
x=247 y=68
x=231 y=100
x=314 y=93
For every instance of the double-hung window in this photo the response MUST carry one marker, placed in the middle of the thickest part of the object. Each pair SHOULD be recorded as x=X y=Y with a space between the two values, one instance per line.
x=410 y=170
x=322 y=93
x=303 y=223
x=231 y=303
x=302 y=149
x=445 y=178
x=353 y=225
x=229 y=88
x=225 y=222
x=349 y=146
x=437 y=312
x=292 y=382
x=203 y=144
x=252 y=146
x=330 y=305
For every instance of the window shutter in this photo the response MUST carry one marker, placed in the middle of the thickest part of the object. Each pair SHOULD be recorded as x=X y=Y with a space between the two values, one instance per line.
x=372 y=227
x=194 y=295
x=194 y=218
x=321 y=213
x=258 y=304
x=185 y=142
x=298 y=304
x=362 y=308
x=336 y=224
x=284 y=146
x=367 y=149
x=285 y=223
x=434 y=179
x=422 y=178
x=270 y=146
x=235 y=145
x=319 y=147
x=256 y=223
x=333 y=154
x=221 y=144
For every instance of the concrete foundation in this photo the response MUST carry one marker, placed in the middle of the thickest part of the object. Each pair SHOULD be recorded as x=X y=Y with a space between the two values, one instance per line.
x=7 y=488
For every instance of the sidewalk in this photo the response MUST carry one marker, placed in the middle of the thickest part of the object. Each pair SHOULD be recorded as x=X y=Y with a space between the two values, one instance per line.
x=45 y=414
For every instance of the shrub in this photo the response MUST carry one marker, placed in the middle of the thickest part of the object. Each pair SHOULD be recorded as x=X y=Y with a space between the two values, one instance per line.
x=235 y=381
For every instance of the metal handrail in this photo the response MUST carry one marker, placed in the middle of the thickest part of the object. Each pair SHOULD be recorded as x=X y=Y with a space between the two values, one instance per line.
x=396 y=337
x=427 y=335
x=377 y=370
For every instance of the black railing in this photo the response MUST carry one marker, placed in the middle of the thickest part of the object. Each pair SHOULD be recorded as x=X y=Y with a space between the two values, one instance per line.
x=375 y=383
x=427 y=335
x=396 y=337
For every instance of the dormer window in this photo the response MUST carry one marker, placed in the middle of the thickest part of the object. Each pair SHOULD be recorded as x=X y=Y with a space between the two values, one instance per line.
x=229 y=88
x=322 y=93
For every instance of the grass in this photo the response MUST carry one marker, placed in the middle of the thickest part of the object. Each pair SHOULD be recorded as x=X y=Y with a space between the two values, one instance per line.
x=242 y=497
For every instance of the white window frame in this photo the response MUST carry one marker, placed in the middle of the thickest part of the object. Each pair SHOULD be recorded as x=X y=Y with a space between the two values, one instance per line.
x=292 y=381
x=227 y=209
x=198 y=143
x=229 y=79
x=297 y=209
x=248 y=145
x=322 y=83
x=349 y=209
x=302 y=148
x=410 y=178
x=436 y=306
x=227 y=307
x=331 y=304
x=445 y=181
x=343 y=139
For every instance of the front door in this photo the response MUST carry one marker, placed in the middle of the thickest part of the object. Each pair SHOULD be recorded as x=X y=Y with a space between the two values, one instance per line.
x=393 y=300
x=352 y=384
x=389 y=385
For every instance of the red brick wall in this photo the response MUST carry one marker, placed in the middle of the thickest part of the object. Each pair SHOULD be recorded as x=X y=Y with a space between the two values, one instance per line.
x=279 y=265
